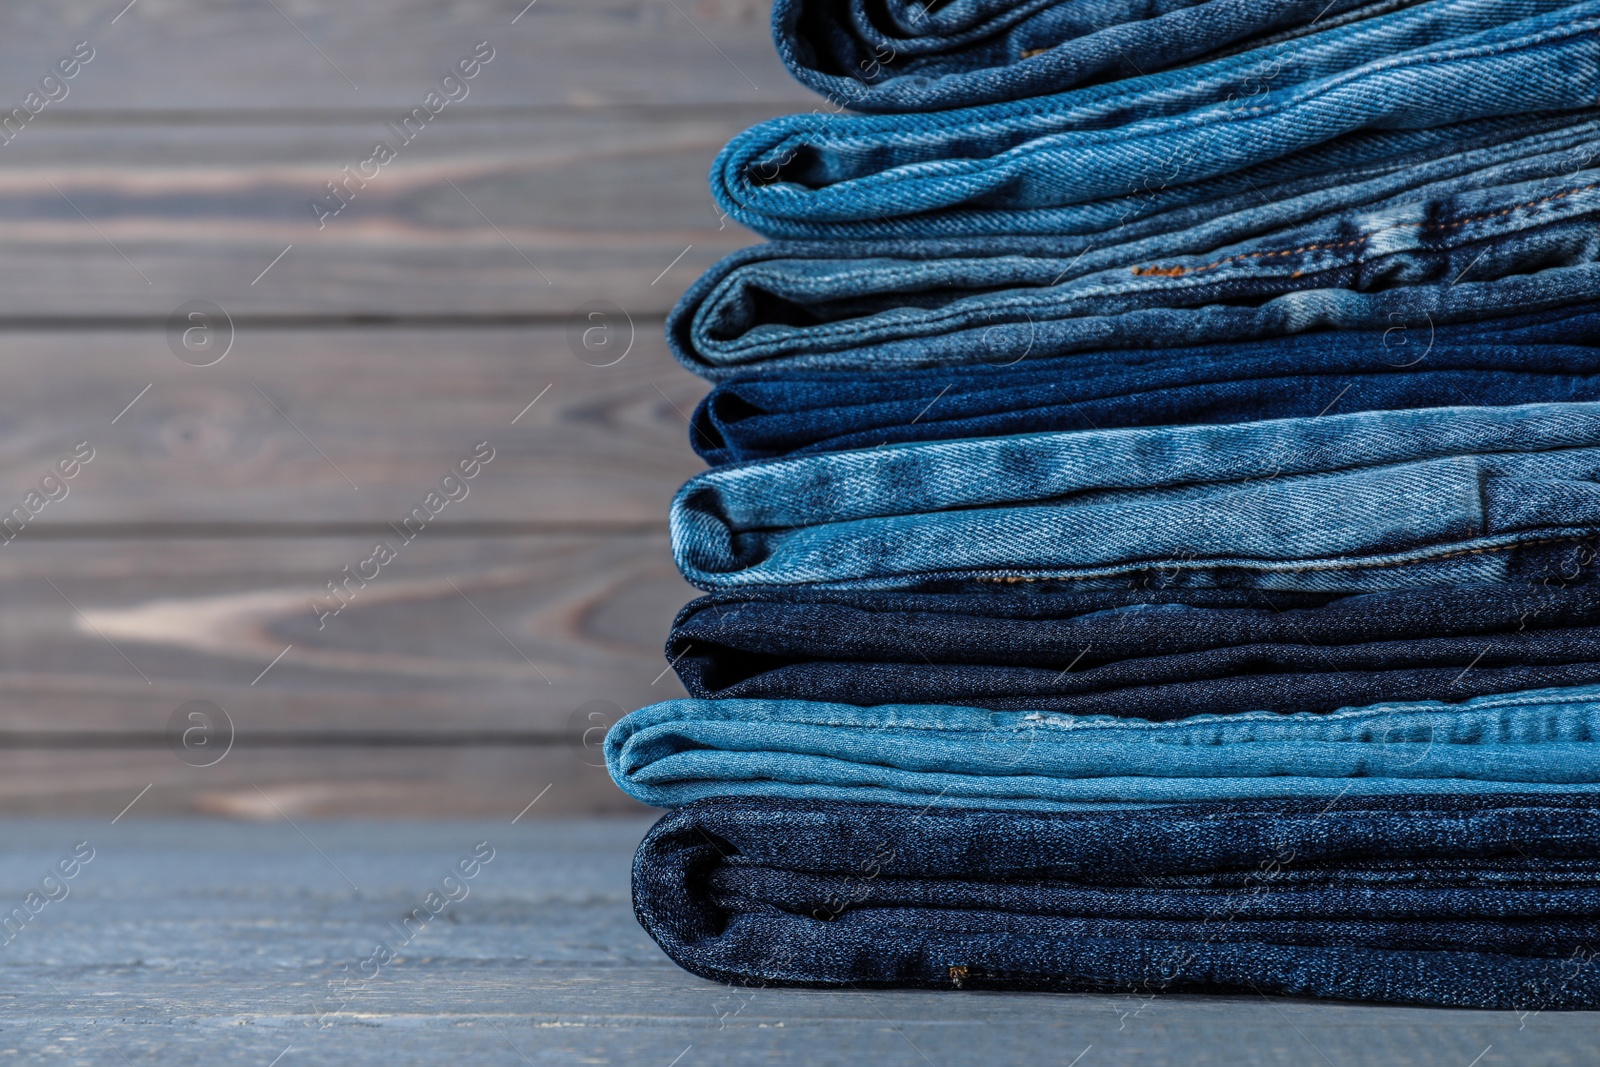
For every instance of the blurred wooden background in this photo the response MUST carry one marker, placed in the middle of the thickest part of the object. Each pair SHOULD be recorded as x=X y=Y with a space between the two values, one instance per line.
x=366 y=361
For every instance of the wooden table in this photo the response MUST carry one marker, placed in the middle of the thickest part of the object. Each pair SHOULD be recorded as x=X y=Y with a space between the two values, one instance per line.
x=209 y=942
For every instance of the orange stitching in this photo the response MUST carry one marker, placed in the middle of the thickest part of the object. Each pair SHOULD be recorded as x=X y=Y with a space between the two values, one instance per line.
x=1174 y=272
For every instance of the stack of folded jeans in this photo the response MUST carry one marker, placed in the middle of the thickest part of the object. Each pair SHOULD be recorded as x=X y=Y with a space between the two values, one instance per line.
x=1151 y=536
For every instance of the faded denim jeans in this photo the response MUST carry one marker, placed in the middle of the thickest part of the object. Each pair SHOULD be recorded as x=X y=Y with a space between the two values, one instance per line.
x=1431 y=65
x=1383 y=499
x=1454 y=250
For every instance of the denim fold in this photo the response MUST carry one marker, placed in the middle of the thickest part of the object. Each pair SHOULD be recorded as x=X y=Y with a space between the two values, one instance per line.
x=1551 y=358
x=680 y=751
x=1157 y=657
x=1432 y=65
x=1460 y=901
x=907 y=55
x=1352 y=171
x=1284 y=503
x=1449 y=254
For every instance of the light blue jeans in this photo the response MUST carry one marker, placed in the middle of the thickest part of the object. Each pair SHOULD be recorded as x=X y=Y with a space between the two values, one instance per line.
x=1337 y=502
x=669 y=754
x=1430 y=65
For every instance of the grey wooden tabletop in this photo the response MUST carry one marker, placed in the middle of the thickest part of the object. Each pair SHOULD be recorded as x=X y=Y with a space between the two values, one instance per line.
x=212 y=942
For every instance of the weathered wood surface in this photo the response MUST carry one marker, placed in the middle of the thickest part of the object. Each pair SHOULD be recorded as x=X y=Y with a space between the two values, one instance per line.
x=205 y=943
x=186 y=152
x=457 y=635
x=301 y=429
x=164 y=56
x=405 y=778
x=481 y=215
x=363 y=365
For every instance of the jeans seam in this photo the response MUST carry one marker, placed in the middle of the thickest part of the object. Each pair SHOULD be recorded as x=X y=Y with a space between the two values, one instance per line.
x=1351 y=565
x=1028 y=725
x=1179 y=270
x=842 y=334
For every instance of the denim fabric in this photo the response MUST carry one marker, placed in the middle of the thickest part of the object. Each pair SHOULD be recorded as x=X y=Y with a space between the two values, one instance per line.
x=1480 y=902
x=1435 y=64
x=1350 y=171
x=1449 y=253
x=1347 y=172
x=1152 y=661
x=1348 y=371
x=1341 y=502
x=676 y=752
x=906 y=55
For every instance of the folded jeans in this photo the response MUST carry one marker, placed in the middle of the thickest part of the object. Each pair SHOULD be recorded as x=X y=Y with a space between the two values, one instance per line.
x=1470 y=901
x=907 y=55
x=1435 y=64
x=1347 y=371
x=1333 y=503
x=679 y=751
x=1450 y=254
x=1093 y=655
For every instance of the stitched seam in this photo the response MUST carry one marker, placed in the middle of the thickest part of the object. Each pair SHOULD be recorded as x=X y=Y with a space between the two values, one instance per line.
x=1353 y=565
x=1498 y=703
x=1356 y=805
x=844 y=333
x=1178 y=271
x=1205 y=116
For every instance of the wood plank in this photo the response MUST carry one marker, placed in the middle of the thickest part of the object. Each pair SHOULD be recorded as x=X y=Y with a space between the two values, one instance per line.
x=196 y=55
x=261 y=782
x=499 y=639
x=279 y=431
x=480 y=215
x=185 y=942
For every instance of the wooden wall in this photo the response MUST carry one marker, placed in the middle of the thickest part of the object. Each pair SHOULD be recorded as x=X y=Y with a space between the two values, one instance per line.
x=362 y=367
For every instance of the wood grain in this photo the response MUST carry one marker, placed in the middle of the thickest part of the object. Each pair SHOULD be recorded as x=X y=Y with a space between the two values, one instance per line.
x=296 y=428
x=415 y=783
x=478 y=216
x=248 y=55
x=456 y=636
x=366 y=358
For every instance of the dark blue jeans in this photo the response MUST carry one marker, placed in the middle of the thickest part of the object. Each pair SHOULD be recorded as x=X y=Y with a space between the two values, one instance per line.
x=1153 y=655
x=1547 y=357
x=1461 y=902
